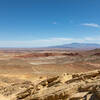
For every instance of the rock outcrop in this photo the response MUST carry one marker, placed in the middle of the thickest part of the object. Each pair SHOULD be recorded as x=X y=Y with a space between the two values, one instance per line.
x=80 y=86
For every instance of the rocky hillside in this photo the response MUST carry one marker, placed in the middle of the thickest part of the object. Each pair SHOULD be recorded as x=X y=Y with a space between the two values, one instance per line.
x=79 y=86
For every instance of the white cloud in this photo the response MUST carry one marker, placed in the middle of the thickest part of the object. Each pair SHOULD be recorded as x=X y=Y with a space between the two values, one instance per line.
x=91 y=25
x=49 y=42
x=89 y=39
x=35 y=43
x=54 y=23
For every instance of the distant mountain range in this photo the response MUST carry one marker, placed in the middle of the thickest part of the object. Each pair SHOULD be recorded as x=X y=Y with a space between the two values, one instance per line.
x=78 y=46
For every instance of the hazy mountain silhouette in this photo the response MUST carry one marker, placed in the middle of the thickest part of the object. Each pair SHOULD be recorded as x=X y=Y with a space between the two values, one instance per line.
x=78 y=46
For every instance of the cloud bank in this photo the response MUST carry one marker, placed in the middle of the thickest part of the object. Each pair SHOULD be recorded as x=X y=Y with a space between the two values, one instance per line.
x=49 y=42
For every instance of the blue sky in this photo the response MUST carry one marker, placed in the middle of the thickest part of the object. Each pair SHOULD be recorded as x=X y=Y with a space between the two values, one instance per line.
x=35 y=23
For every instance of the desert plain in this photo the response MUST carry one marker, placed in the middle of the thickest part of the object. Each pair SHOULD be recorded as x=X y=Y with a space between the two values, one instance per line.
x=49 y=74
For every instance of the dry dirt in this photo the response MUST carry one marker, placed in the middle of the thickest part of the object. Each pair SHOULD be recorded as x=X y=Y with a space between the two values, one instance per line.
x=27 y=74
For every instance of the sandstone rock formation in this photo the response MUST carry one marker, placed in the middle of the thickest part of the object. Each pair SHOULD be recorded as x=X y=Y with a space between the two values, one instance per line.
x=80 y=86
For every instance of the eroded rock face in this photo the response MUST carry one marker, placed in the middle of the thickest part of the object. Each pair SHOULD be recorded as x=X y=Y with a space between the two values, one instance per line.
x=80 y=86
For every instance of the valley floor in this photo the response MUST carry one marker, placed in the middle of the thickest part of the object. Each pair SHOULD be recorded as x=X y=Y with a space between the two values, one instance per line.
x=49 y=75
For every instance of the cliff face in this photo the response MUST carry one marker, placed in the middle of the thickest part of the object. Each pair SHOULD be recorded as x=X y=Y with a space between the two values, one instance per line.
x=80 y=86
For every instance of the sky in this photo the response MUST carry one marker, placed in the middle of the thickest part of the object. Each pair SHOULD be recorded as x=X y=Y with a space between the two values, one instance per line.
x=39 y=23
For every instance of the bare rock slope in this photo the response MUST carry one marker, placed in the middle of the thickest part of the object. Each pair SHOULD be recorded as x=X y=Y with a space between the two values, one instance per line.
x=79 y=86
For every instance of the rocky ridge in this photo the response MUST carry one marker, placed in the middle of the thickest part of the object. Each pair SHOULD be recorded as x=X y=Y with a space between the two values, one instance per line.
x=79 y=86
